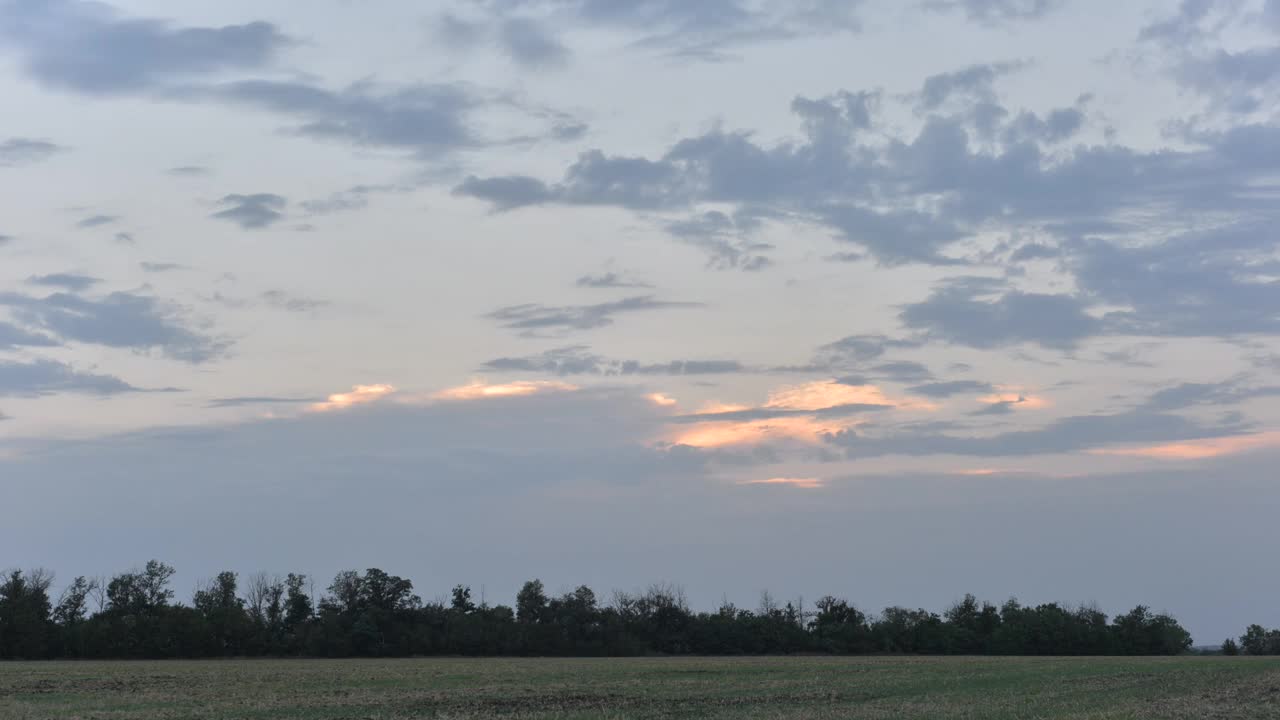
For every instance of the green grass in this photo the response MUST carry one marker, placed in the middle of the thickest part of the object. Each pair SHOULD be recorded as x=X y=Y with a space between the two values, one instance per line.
x=804 y=687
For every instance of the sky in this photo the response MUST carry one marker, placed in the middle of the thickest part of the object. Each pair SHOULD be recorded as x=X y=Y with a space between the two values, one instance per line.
x=889 y=300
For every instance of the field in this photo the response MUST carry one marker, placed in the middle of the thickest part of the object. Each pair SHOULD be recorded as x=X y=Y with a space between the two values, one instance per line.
x=805 y=687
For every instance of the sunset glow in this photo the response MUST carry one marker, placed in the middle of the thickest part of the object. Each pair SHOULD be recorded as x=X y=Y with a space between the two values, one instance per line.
x=359 y=395
x=1199 y=449
x=800 y=483
x=481 y=391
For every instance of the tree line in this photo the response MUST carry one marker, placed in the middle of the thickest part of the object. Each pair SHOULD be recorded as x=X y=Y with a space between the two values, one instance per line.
x=375 y=614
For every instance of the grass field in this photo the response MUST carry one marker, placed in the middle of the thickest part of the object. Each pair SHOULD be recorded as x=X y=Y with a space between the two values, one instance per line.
x=807 y=687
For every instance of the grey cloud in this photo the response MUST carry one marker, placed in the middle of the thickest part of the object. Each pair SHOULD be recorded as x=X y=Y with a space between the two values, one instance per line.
x=87 y=47
x=24 y=151
x=1186 y=25
x=67 y=281
x=1034 y=251
x=252 y=212
x=755 y=414
x=94 y=221
x=990 y=11
x=457 y=32
x=530 y=43
x=609 y=280
x=952 y=388
x=978 y=315
x=975 y=83
x=1188 y=395
x=701 y=30
x=5 y=240
x=1065 y=435
x=1239 y=82
x=903 y=371
x=505 y=193
x=120 y=320
x=533 y=318
x=578 y=360
x=896 y=237
x=125 y=238
x=47 y=377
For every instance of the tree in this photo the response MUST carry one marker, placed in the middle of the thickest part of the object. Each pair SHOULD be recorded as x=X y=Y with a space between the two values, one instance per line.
x=73 y=604
x=297 y=603
x=25 y=625
x=531 y=602
x=1229 y=647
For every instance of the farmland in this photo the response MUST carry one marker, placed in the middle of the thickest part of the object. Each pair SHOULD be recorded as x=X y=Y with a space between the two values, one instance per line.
x=794 y=687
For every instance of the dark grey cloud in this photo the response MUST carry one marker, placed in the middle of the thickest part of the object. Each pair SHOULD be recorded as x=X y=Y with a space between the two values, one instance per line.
x=609 y=280
x=1000 y=407
x=67 y=281
x=578 y=360
x=24 y=151
x=353 y=198
x=282 y=300
x=247 y=401
x=428 y=119
x=47 y=377
x=88 y=47
x=530 y=43
x=189 y=171
x=5 y=240
x=1199 y=284
x=977 y=313
x=12 y=337
x=855 y=350
x=94 y=221
x=915 y=199
x=992 y=11
x=119 y=319
x=159 y=267
x=1064 y=435
x=951 y=388
x=535 y=318
x=125 y=238
x=704 y=30
x=903 y=371
x=505 y=193
x=252 y=212
x=723 y=239
x=1189 y=395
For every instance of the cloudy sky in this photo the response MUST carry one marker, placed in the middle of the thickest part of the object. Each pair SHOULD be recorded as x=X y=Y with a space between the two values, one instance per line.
x=895 y=300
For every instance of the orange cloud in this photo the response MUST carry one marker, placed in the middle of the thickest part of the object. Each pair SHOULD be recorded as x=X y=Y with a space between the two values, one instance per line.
x=801 y=483
x=661 y=399
x=801 y=399
x=359 y=395
x=1198 y=449
x=728 y=433
x=825 y=394
x=481 y=390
